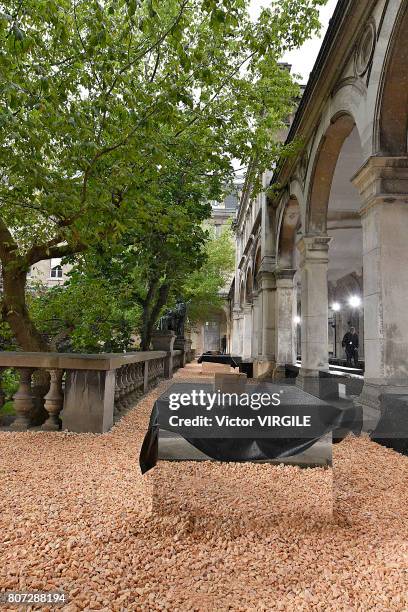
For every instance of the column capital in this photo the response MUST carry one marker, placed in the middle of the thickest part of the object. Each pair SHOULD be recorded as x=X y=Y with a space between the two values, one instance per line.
x=267 y=279
x=314 y=249
x=237 y=312
x=285 y=273
x=268 y=263
x=382 y=180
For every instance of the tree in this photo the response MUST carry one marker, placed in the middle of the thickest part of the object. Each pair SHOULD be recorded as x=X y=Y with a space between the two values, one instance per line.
x=203 y=287
x=149 y=265
x=84 y=315
x=109 y=298
x=100 y=100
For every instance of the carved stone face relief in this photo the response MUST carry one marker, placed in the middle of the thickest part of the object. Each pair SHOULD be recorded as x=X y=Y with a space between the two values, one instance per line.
x=365 y=49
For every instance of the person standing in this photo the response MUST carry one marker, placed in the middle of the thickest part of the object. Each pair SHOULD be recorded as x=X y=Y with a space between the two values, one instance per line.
x=350 y=343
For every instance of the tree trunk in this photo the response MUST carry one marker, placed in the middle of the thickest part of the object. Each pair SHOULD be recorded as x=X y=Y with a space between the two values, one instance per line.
x=150 y=316
x=15 y=312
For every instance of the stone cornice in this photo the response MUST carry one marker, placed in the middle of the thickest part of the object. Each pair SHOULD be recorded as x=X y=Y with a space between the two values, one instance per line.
x=382 y=180
x=341 y=36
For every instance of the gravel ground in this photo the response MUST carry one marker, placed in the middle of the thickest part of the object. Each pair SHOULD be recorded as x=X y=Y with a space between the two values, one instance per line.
x=77 y=515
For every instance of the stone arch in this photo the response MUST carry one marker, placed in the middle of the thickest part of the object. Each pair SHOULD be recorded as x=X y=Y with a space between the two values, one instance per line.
x=289 y=224
x=324 y=166
x=242 y=293
x=391 y=124
x=249 y=287
x=257 y=266
x=297 y=188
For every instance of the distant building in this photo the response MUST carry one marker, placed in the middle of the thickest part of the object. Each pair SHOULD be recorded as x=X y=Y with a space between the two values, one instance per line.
x=49 y=272
x=213 y=334
x=225 y=210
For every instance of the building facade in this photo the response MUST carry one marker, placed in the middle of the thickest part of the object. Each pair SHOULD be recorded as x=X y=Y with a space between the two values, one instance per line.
x=49 y=272
x=330 y=249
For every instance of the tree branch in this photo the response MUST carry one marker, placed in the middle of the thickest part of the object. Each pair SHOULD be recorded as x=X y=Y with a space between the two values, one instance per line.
x=155 y=66
x=160 y=302
x=7 y=242
x=216 y=94
x=161 y=38
x=52 y=249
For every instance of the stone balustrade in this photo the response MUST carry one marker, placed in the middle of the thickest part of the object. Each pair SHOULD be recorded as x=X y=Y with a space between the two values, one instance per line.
x=82 y=393
x=178 y=359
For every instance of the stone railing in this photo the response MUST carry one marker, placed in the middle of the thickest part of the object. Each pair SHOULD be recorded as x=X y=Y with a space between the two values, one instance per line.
x=190 y=355
x=82 y=393
x=178 y=359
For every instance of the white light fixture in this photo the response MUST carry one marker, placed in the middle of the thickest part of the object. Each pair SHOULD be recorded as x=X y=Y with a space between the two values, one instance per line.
x=354 y=301
x=296 y=319
x=336 y=306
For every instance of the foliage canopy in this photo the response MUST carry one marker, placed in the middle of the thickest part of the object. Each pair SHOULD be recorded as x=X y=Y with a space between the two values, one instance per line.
x=112 y=113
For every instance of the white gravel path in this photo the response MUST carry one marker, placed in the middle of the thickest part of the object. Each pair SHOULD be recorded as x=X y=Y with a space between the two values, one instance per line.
x=77 y=515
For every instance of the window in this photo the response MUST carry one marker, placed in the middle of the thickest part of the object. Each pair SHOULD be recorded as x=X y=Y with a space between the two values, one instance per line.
x=56 y=268
x=56 y=272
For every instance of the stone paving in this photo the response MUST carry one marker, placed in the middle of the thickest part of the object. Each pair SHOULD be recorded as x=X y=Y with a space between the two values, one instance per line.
x=77 y=515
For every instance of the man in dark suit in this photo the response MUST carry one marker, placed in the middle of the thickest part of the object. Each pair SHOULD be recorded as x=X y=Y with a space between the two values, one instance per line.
x=350 y=343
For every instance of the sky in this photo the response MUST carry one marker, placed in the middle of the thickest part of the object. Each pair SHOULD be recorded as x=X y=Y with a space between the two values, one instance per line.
x=302 y=59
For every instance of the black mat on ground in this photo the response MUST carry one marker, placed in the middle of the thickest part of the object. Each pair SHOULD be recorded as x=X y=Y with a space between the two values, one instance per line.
x=238 y=449
x=225 y=359
x=392 y=428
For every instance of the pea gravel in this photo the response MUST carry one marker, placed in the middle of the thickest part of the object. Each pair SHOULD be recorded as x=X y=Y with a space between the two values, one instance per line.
x=76 y=515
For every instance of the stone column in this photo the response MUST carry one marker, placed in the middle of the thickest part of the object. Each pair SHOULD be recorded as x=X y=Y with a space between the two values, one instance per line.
x=255 y=326
x=383 y=185
x=314 y=261
x=236 y=337
x=259 y=335
x=285 y=311
x=266 y=350
x=247 y=332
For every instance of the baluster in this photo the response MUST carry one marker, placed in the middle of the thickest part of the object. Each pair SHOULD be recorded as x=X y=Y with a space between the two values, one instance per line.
x=139 y=380
x=130 y=385
x=146 y=368
x=2 y=394
x=53 y=401
x=118 y=378
x=23 y=400
x=122 y=389
x=125 y=385
x=133 y=382
x=152 y=373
